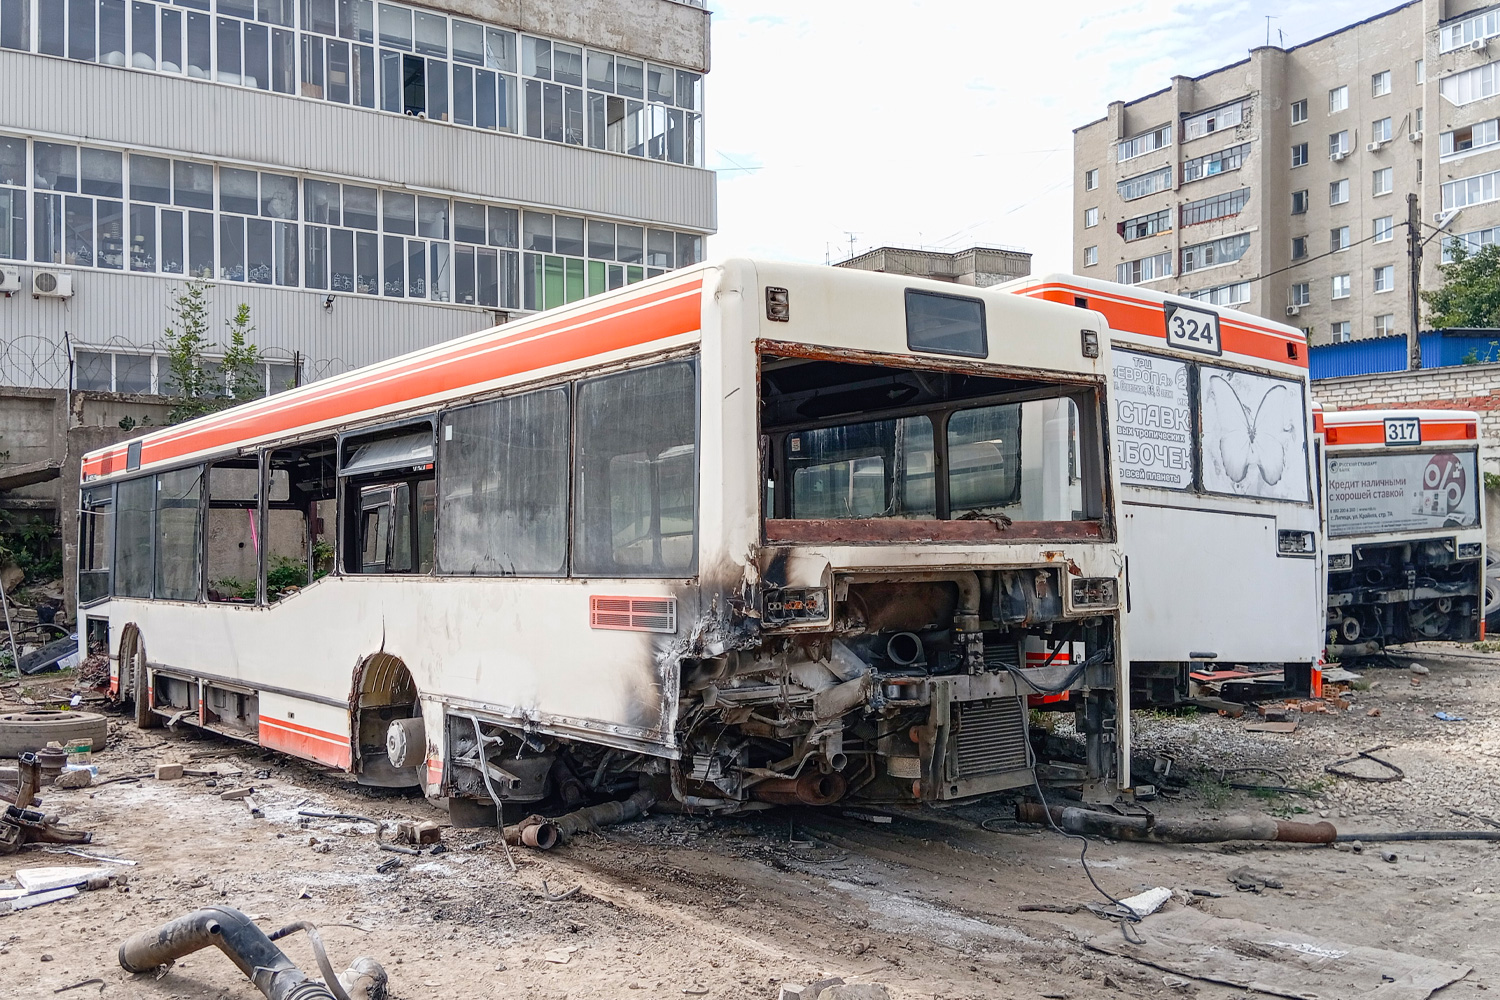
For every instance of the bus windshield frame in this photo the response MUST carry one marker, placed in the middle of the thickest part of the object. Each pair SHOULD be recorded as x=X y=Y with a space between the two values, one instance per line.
x=875 y=447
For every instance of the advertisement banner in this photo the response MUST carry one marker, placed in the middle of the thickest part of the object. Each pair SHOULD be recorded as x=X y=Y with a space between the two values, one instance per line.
x=1254 y=435
x=1402 y=492
x=1153 y=421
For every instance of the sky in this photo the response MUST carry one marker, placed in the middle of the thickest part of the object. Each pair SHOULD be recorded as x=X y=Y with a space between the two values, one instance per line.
x=944 y=123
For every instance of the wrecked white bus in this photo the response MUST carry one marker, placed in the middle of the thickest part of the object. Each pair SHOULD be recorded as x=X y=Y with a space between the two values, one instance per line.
x=1210 y=413
x=748 y=533
x=1403 y=503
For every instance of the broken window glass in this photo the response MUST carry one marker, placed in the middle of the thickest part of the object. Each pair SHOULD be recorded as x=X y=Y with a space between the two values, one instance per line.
x=877 y=468
x=135 y=508
x=635 y=473
x=505 y=487
x=178 y=530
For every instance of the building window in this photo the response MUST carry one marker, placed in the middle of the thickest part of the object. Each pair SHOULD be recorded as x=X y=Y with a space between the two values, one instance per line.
x=1299 y=247
x=1340 y=331
x=1299 y=155
x=1381 y=181
x=1146 y=225
x=1299 y=112
x=1146 y=142
x=1216 y=207
x=1338 y=192
x=1380 y=130
x=1301 y=294
x=1417 y=120
x=1221 y=162
x=1340 y=286
x=98 y=370
x=151 y=214
x=1133 y=272
x=1421 y=67
x=1338 y=239
x=1471 y=85
x=1299 y=202
x=1224 y=295
x=1090 y=218
x=1385 y=278
x=1385 y=325
x=1338 y=100
x=1380 y=83
x=1474 y=28
x=418 y=63
x=1090 y=179
x=1221 y=251
x=1470 y=137
x=1338 y=144
x=1469 y=191
x=1215 y=120
x=1090 y=256
x=1142 y=185
x=1469 y=241
x=1382 y=228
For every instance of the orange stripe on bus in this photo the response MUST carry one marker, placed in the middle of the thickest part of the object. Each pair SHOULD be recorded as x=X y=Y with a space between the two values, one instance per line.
x=664 y=313
x=1146 y=319
x=304 y=742
x=1367 y=433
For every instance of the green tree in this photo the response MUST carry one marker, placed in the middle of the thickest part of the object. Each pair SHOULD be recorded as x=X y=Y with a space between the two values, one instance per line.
x=1470 y=296
x=200 y=386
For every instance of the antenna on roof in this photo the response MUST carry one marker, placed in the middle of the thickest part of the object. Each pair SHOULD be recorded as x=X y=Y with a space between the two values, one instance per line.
x=851 y=242
x=1268 y=29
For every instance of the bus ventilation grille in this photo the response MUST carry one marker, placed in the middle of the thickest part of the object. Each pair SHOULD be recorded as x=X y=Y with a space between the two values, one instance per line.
x=634 y=614
x=991 y=737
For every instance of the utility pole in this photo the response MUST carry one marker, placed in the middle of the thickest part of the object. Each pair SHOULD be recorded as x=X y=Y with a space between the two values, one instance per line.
x=1414 y=252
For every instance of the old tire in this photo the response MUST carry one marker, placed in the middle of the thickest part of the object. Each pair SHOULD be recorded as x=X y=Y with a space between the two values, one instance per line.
x=140 y=683
x=23 y=731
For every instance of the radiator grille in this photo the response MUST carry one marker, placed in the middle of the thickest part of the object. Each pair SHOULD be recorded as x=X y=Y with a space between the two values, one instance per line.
x=991 y=737
x=634 y=614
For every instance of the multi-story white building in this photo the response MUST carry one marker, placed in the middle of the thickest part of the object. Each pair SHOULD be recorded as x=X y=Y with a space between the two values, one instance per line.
x=1279 y=184
x=369 y=177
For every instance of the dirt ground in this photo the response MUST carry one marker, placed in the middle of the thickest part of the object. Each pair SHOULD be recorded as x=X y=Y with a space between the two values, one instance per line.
x=925 y=904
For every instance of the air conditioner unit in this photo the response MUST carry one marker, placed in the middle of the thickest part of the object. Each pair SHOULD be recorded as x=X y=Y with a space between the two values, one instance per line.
x=1415 y=136
x=1293 y=310
x=1336 y=157
x=1478 y=45
x=51 y=285
x=1371 y=147
x=10 y=281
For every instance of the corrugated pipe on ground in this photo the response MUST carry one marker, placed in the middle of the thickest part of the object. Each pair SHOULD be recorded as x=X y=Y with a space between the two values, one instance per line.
x=1177 y=831
x=544 y=833
x=266 y=965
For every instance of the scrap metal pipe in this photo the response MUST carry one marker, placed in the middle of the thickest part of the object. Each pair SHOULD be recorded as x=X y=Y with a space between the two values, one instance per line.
x=812 y=788
x=544 y=833
x=1380 y=838
x=231 y=932
x=1177 y=831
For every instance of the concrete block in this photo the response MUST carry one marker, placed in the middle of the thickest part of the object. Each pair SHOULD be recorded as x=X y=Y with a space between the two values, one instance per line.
x=795 y=991
x=855 y=991
x=238 y=793
x=168 y=772
x=420 y=833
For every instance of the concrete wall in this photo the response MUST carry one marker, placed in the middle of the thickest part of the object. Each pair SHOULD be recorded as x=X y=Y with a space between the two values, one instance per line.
x=665 y=30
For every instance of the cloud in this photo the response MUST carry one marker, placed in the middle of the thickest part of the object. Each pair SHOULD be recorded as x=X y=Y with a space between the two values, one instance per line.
x=947 y=121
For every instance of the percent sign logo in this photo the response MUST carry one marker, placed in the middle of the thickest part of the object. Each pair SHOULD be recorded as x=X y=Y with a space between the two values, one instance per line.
x=1445 y=474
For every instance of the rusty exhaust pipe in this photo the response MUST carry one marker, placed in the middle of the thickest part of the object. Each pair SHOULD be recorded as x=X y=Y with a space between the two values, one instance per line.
x=812 y=788
x=1176 y=831
x=231 y=932
x=544 y=834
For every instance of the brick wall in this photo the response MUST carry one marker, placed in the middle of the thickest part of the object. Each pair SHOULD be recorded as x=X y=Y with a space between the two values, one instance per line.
x=1463 y=387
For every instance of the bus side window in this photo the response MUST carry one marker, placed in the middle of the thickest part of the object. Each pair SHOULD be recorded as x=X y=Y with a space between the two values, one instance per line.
x=300 y=517
x=392 y=501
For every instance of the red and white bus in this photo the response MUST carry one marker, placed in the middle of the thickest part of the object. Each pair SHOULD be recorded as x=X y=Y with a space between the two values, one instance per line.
x=1210 y=412
x=1403 y=509
x=749 y=532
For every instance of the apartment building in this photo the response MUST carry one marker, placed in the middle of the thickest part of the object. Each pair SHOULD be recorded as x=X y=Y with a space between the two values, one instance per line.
x=1278 y=184
x=977 y=266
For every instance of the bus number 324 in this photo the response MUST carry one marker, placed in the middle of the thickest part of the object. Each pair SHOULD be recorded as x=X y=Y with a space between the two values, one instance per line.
x=1193 y=329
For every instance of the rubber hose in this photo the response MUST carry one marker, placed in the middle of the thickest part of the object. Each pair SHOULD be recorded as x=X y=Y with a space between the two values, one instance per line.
x=236 y=936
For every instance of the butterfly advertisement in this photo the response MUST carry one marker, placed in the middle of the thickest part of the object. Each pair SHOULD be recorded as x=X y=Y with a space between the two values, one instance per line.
x=1254 y=435
x=1402 y=491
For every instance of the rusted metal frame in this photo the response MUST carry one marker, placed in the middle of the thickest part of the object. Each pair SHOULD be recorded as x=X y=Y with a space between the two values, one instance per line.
x=788 y=349
x=794 y=531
